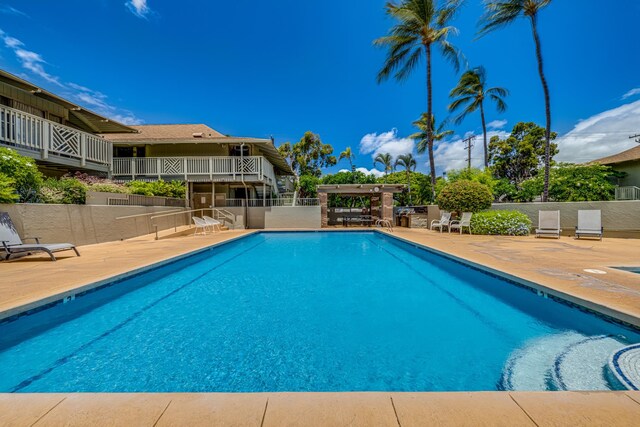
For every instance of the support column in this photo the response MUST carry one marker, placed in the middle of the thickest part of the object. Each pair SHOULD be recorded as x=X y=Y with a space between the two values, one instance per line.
x=387 y=206
x=213 y=194
x=324 y=211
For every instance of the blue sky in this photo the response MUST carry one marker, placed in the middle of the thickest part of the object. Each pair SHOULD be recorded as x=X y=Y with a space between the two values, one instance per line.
x=282 y=67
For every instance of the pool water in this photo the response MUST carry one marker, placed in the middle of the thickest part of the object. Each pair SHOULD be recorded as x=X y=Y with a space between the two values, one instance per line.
x=316 y=311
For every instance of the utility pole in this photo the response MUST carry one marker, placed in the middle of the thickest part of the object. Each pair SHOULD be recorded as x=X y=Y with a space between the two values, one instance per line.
x=636 y=136
x=468 y=145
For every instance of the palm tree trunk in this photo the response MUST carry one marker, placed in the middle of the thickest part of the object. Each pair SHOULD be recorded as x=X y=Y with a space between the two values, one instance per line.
x=547 y=104
x=484 y=134
x=409 y=185
x=432 y=162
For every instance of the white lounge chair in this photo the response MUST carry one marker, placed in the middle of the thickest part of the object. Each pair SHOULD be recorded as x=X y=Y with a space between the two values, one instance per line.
x=213 y=223
x=589 y=224
x=444 y=221
x=465 y=221
x=201 y=225
x=548 y=224
x=12 y=244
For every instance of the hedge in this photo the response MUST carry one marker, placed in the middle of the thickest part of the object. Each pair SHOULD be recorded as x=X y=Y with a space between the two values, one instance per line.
x=503 y=223
x=465 y=196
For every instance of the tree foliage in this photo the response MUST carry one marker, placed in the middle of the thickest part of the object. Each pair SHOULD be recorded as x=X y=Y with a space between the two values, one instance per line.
x=465 y=196
x=24 y=173
x=309 y=155
x=8 y=192
x=417 y=193
x=521 y=155
x=356 y=177
x=161 y=188
x=308 y=186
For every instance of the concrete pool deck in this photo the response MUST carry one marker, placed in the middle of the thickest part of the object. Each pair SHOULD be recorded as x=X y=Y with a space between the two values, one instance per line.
x=556 y=265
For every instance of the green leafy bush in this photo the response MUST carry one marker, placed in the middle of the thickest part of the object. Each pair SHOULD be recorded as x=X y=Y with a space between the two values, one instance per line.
x=8 y=192
x=109 y=188
x=162 y=188
x=465 y=196
x=23 y=171
x=308 y=186
x=68 y=191
x=503 y=223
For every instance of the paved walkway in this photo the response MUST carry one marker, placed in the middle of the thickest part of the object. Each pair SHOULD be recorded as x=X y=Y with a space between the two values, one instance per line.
x=511 y=409
x=556 y=265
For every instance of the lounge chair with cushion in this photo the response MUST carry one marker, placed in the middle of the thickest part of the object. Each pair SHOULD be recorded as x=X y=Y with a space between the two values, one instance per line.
x=12 y=244
x=589 y=224
x=445 y=219
x=548 y=224
x=213 y=223
x=465 y=221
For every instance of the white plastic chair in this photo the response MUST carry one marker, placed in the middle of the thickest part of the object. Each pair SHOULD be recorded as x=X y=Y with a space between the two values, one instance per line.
x=201 y=224
x=213 y=223
x=465 y=221
x=548 y=224
x=444 y=221
x=589 y=224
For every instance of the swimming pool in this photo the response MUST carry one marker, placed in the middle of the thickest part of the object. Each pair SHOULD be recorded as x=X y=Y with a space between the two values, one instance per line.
x=316 y=311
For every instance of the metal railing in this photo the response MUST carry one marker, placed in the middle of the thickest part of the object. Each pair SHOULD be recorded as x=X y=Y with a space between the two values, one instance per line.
x=215 y=213
x=259 y=203
x=215 y=167
x=628 y=193
x=43 y=137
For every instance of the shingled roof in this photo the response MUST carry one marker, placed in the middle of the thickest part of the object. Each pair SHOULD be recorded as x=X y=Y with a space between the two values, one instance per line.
x=626 y=156
x=167 y=133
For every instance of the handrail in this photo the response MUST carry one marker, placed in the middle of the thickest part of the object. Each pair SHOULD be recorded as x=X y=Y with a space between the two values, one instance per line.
x=145 y=214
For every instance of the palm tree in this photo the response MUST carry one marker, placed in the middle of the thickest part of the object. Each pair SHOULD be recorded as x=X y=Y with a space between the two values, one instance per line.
x=423 y=137
x=408 y=162
x=348 y=154
x=471 y=93
x=501 y=13
x=422 y=26
x=386 y=161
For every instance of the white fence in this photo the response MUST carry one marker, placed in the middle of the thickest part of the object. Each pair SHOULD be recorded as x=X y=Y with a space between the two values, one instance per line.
x=43 y=137
x=186 y=167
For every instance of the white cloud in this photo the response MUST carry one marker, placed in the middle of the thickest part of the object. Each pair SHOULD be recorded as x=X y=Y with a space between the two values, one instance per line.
x=386 y=142
x=366 y=171
x=8 y=10
x=138 y=8
x=632 y=92
x=497 y=124
x=601 y=135
x=94 y=100
x=452 y=154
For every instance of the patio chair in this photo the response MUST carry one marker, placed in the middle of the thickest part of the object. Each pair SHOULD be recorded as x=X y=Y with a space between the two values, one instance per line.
x=589 y=224
x=548 y=224
x=444 y=221
x=201 y=225
x=213 y=223
x=465 y=221
x=12 y=244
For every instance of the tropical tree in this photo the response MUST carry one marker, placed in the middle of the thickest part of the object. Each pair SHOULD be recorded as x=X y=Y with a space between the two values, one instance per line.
x=425 y=137
x=501 y=13
x=470 y=94
x=422 y=25
x=308 y=156
x=408 y=162
x=386 y=161
x=348 y=154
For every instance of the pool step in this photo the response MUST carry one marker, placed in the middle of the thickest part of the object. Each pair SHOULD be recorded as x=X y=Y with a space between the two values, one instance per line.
x=566 y=361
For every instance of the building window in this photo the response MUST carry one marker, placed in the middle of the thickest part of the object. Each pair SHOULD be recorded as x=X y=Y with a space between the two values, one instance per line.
x=239 y=150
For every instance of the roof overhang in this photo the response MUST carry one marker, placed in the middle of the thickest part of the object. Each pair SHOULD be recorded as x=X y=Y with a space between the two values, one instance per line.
x=360 y=189
x=78 y=115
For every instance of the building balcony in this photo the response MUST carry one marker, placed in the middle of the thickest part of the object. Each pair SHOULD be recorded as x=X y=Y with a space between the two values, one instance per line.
x=195 y=169
x=52 y=143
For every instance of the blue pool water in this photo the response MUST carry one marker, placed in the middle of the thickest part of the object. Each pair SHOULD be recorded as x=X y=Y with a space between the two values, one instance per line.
x=332 y=311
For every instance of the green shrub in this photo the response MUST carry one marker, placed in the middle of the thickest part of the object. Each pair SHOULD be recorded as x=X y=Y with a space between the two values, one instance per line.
x=23 y=171
x=465 y=196
x=308 y=186
x=68 y=191
x=158 y=188
x=8 y=192
x=503 y=223
x=109 y=188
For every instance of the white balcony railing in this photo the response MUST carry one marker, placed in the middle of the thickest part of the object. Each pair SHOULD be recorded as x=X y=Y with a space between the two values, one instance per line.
x=42 y=138
x=227 y=167
x=628 y=193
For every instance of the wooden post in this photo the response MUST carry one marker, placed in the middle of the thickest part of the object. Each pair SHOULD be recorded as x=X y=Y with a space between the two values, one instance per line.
x=46 y=140
x=83 y=149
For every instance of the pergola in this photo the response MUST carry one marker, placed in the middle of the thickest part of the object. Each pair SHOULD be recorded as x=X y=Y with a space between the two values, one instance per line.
x=380 y=195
